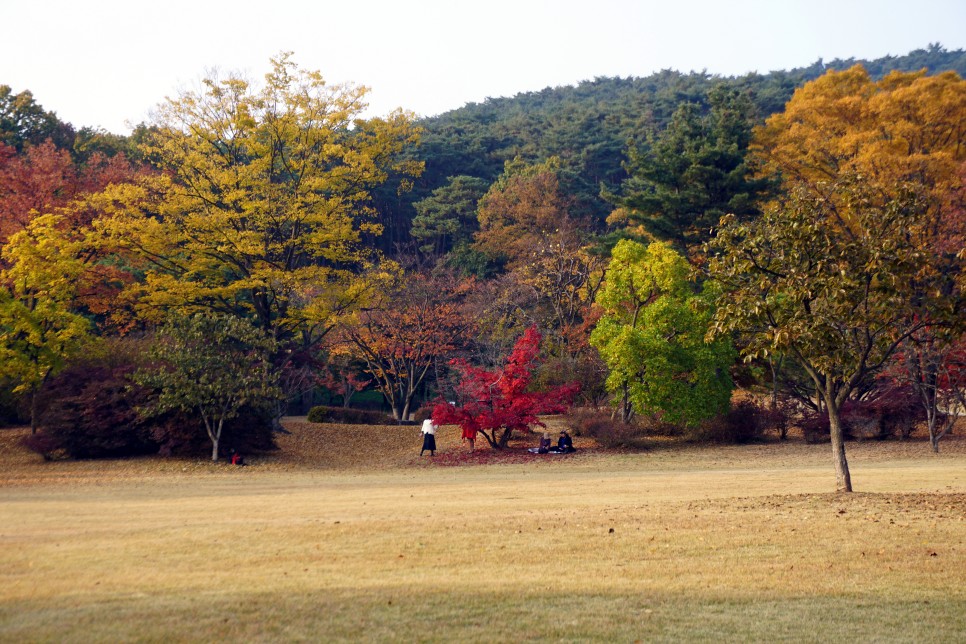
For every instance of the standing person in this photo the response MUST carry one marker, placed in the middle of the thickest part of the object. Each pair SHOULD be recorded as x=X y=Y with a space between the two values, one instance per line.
x=469 y=435
x=429 y=437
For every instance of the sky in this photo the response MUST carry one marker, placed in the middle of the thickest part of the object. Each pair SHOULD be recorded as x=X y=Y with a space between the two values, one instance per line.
x=107 y=63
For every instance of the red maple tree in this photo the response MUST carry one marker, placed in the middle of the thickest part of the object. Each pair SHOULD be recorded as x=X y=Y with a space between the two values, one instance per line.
x=496 y=402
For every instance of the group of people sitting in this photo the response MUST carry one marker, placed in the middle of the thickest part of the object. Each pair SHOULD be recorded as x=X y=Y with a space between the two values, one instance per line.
x=565 y=445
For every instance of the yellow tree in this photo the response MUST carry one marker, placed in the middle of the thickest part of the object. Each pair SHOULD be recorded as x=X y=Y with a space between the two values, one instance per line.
x=907 y=128
x=262 y=203
x=39 y=328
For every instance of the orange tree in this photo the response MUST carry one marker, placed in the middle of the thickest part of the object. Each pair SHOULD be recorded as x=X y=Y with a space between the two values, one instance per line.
x=404 y=334
x=44 y=179
x=523 y=207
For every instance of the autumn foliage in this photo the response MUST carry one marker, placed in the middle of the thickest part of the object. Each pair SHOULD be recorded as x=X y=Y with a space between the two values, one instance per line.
x=346 y=249
x=496 y=402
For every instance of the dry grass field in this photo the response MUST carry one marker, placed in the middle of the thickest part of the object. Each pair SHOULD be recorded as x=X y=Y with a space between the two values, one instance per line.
x=346 y=534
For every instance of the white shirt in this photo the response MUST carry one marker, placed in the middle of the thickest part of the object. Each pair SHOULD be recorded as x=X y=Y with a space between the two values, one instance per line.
x=429 y=427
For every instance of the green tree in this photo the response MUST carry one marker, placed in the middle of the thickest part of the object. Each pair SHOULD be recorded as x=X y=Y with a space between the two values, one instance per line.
x=837 y=296
x=211 y=365
x=447 y=217
x=693 y=172
x=652 y=337
x=23 y=121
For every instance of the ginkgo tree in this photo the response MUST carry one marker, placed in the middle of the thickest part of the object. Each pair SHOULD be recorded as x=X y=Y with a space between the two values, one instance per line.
x=262 y=202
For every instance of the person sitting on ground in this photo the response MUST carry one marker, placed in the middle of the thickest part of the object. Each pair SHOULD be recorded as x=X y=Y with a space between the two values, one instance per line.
x=235 y=458
x=565 y=444
x=544 y=447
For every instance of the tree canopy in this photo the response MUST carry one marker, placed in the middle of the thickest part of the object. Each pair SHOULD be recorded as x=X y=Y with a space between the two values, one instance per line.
x=651 y=335
x=262 y=202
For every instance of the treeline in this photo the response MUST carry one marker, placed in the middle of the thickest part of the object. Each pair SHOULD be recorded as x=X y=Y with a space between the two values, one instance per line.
x=653 y=230
x=591 y=127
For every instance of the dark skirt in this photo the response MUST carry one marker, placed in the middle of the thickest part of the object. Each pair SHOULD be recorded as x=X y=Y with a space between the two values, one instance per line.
x=429 y=442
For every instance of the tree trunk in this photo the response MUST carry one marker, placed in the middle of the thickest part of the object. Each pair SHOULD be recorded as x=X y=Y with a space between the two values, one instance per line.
x=307 y=398
x=843 y=481
x=492 y=440
x=774 y=382
x=627 y=410
x=33 y=411
x=214 y=433
x=35 y=401
x=934 y=441
x=505 y=437
x=408 y=405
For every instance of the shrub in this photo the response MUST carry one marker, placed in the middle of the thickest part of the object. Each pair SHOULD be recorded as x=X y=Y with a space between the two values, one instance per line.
x=895 y=410
x=655 y=425
x=746 y=422
x=815 y=427
x=607 y=431
x=46 y=445
x=12 y=408
x=91 y=410
x=900 y=410
x=179 y=433
x=348 y=416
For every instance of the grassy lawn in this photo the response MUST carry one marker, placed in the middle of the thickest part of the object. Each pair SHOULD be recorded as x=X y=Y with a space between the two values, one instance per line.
x=686 y=543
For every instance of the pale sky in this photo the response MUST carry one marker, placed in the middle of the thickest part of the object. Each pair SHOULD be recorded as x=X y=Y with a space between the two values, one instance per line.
x=107 y=63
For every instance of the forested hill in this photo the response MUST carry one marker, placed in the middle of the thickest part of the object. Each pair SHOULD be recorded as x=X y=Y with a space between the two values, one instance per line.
x=586 y=121
x=591 y=126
